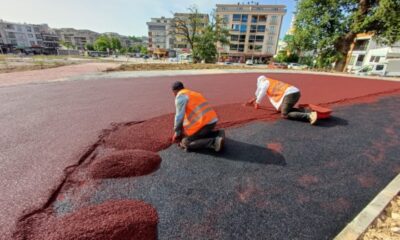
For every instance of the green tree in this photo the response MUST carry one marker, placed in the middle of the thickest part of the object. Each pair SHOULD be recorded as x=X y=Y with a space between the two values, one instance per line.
x=144 y=50
x=330 y=26
x=105 y=42
x=205 y=44
x=89 y=47
x=67 y=45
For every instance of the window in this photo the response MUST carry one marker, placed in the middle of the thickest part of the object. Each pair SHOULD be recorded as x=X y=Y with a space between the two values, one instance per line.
x=29 y=29
x=233 y=47
x=372 y=59
x=30 y=35
x=259 y=38
x=32 y=43
x=261 y=28
x=236 y=17
x=11 y=35
x=254 y=19
x=252 y=38
x=274 y=19
x=251 y=47
x=272 y=29
x=253 y=28
x=235 y=27
x=258 y=48
x=262 y=18
x=241 y=48
x=377 y=59
x=244 y=18
x=234 y=38
x=361 y=45
x=271 y=38
x=379 y=67
x=243 y=28
x=242 y=38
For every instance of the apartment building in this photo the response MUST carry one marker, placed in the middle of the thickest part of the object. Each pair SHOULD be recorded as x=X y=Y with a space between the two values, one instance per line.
x=159 y=34
x=27 y=37
x=77 y=38
x=254 y=30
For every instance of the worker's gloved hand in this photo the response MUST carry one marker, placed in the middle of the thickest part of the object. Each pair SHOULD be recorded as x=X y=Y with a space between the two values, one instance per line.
x=175 y=138
x=256 y=106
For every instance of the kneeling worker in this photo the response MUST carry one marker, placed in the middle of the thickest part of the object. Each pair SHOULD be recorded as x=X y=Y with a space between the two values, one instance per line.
x=195 y=121
x=283 y=97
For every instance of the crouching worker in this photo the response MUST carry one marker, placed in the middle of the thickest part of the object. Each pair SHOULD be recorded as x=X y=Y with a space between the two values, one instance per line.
x=195 y=121
x=283 y=97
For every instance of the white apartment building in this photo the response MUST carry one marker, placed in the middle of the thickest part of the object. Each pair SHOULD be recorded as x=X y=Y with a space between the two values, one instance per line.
x=159 y=34
x=26 y=37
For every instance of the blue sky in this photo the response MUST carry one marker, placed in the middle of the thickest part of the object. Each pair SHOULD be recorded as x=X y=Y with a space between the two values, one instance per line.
x=127 y=17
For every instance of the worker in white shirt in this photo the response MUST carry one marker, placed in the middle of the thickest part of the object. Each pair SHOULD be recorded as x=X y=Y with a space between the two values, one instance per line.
x=283 y=97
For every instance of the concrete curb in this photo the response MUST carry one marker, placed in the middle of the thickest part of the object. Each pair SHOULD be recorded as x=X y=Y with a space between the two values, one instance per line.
x=367 y=216
x=165 y=73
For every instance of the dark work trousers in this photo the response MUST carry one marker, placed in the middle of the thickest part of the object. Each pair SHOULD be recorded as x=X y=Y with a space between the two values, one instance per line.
x=288 y=110
x=204 y=138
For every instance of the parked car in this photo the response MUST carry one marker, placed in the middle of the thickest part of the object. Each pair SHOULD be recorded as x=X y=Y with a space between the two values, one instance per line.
x=249 y=62
x=275 y=65
x=173 y=59
x=297 y=66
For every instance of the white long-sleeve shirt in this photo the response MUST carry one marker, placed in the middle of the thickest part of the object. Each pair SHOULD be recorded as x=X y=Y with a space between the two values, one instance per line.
x=262 y=87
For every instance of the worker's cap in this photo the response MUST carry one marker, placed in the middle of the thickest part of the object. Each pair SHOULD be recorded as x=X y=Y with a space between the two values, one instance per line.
x=176 y=86
x=262 y=78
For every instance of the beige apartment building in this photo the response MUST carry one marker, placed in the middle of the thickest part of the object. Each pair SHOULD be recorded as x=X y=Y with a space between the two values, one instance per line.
x=254 y=31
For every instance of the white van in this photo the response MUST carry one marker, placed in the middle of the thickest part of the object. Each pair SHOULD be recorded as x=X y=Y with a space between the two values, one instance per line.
x=390 y=68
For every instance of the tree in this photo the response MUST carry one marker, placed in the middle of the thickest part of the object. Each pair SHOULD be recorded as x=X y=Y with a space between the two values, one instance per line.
x=136 y=39
x=144 y=50
x=89 y=47
x=105 y=42
x=201 y=34
x=67 y=45
x=329 y=27
x=206 y=43
x=189 y=26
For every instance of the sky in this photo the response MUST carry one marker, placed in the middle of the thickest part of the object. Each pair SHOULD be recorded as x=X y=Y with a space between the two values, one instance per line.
x=126 y=17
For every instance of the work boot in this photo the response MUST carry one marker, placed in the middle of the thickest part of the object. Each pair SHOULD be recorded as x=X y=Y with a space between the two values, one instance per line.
x=219 y=141
x=313 y=117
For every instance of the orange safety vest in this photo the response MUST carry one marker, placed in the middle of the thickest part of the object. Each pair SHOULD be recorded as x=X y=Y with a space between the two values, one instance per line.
x=276 y=89
x=198 y=112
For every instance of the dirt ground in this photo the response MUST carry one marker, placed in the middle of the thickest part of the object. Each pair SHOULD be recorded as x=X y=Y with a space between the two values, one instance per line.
x=177 y=66
x=387 y=226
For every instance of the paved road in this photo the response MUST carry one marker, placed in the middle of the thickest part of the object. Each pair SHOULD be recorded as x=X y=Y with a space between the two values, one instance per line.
x=47 y=127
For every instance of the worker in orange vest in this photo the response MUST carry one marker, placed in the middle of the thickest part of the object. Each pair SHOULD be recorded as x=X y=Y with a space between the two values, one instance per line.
x=195 y=121
x=283 y=97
